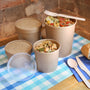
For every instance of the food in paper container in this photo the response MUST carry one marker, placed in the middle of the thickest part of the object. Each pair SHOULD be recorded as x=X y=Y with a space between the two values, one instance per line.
x=46 y=54
x=47 y=46
x=58 y=21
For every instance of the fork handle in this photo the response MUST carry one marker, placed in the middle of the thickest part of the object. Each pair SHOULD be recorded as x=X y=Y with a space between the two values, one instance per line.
x=88 y=72
x=82 y=77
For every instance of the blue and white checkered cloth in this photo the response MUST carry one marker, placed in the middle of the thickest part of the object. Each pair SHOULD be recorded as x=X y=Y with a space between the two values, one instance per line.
x=41 y=81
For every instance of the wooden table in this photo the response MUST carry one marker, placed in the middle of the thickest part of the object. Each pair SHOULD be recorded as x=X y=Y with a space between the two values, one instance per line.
x=70 y=83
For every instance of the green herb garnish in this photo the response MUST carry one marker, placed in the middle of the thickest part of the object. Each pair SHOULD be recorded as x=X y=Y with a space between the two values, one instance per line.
x=41 y=49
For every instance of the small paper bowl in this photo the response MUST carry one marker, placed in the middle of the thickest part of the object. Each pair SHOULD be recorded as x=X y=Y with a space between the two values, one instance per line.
x=46 y=62
x=18 y=46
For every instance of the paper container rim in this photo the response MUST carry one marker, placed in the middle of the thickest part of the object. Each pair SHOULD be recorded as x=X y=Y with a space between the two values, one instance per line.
x=59 y=46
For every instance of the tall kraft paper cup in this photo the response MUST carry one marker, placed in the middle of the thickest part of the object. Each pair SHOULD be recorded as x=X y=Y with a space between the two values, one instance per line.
x=64 y=35
x=46 y=62
x=28 y=29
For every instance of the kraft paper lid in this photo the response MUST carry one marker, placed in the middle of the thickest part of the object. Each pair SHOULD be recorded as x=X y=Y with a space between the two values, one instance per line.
x=18 y=46
x=27 y=24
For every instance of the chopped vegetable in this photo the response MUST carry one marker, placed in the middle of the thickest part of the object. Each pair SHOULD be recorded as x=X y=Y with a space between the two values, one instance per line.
x=58 y=21
x=46 y=46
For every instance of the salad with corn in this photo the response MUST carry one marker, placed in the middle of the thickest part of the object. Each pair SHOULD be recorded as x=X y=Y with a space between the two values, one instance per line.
x=46 y=46
x=58 y=21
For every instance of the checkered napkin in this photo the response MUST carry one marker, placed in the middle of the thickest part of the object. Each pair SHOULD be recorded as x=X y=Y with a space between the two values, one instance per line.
x=40 y=81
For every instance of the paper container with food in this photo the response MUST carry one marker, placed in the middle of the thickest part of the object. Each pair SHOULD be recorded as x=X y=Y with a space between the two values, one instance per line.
x=62 y=30
x=46 y=54
x=28 y=29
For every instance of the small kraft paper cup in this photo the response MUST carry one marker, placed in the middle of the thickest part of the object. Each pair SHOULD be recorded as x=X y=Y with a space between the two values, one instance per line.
x=46 y=62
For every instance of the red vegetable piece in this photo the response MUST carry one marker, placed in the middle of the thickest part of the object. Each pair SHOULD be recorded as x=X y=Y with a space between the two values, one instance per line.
x=51 y=23
x=68 y=22
x=61 y=19
x=61 y=25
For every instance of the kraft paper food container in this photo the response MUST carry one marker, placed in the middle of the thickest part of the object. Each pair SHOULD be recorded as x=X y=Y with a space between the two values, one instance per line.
x=46 y=62
x=28 y=29
x=64 y=35
x=18 y=46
